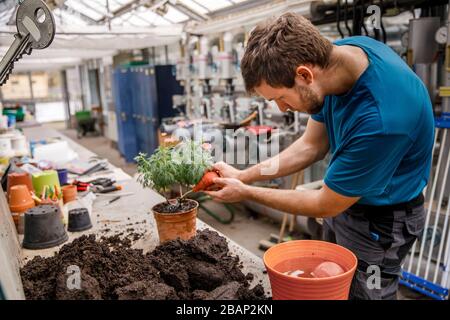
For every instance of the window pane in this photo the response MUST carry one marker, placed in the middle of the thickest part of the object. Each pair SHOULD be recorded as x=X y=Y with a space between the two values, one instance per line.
x=194 y=6
x=17 y=87
x=174 y=15
x=214 y=4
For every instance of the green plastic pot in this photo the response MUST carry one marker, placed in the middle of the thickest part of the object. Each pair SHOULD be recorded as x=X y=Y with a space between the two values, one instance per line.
x=45 y=178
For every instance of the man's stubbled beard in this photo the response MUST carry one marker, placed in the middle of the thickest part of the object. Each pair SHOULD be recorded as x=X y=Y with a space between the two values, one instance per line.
x=311 y=98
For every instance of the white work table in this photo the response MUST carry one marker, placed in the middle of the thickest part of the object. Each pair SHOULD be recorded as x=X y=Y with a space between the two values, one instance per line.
x=132 y=212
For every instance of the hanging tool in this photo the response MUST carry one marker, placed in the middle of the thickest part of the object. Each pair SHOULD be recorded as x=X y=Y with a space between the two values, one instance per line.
x=294 y=184
x=274 y=239
x=35 y=30
x=346 y=19
x=383 y=30
x=376 y=32
x=363 y=14
x=356 y=23
x=338 y=18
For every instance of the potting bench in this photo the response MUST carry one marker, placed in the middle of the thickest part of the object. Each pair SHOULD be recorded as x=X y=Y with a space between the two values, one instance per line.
x=129 y=214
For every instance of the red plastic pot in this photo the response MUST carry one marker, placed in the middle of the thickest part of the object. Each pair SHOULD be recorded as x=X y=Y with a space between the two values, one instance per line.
x=206 y=181
x=287 y=256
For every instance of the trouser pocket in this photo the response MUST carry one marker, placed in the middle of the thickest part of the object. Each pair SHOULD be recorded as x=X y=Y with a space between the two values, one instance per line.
x=381 y=228
x=404 y=233
x=415 y=221
x=371 y=286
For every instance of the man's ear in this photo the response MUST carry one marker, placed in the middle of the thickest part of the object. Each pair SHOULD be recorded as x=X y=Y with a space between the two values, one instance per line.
x=304 y=74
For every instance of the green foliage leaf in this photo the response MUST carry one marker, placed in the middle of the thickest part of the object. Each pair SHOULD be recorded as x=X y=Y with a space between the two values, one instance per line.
x=184 y=164
x=156 y=172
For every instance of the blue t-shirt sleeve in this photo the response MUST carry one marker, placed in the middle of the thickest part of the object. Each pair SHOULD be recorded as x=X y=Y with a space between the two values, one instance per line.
x=318 y=116
x=366 y=164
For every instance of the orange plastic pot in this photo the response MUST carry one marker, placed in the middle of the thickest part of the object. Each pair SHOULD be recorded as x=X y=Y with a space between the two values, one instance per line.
x=17 y=178
x=206 y=181
x=181 y=225
x=303 y=255
x=69 y=193
x=19 y=201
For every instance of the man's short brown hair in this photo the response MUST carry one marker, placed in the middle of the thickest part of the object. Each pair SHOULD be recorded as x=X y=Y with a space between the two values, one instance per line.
x=275 y=50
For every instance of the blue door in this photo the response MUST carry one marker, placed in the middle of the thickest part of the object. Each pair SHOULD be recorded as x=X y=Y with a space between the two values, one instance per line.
x=124 y=113
x=139 y=108
x=150 y=109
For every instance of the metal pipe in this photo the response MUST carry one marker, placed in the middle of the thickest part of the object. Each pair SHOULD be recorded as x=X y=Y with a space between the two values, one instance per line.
x=108 y=12
x=230 y=105
x=346 y=18
x=207 y=103
x=433 y=191
x=446 y=261
x=438 y=210
x=30 y=81
x=356 y=24
x=328 y=10
x=413 y=249
x=363 y=14
x=441 y=246
x=383 y=30
x=338 y=18
x=166 y=54
x=66 y=98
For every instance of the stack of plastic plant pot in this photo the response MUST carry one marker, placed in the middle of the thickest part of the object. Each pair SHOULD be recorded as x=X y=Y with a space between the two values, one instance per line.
x=44 y=228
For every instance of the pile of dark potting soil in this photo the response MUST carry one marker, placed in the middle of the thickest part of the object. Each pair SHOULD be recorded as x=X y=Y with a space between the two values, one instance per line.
x=200 y=268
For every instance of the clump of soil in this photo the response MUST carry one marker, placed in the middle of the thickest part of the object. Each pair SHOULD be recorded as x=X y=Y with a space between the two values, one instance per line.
x=177 y=206
x=199 y=268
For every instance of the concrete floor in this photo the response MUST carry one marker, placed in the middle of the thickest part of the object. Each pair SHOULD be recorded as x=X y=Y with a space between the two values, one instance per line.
x=246 y=229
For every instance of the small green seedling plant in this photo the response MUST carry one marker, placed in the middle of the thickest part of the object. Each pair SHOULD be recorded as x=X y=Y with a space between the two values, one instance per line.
x=183 y=165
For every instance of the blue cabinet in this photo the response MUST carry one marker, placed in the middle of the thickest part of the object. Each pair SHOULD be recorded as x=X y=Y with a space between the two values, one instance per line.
x=167 y=86
x=143 y=96
x=124 y=114
x=150 y=110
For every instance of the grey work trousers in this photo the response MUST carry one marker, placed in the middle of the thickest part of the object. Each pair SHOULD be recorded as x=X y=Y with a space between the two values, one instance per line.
x=380 y=239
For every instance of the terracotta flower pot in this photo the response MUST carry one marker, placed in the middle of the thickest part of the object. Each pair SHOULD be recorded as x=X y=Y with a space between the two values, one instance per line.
x=176 y=225
x=19 y=201
x=17 y=178
x=69 y=193
x=306 y=255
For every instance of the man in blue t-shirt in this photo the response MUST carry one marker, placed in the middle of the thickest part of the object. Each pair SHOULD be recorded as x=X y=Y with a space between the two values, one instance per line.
x=373 y=114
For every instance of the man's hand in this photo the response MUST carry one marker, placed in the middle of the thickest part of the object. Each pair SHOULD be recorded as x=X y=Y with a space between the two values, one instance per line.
x=232 y=190
x=227 y=171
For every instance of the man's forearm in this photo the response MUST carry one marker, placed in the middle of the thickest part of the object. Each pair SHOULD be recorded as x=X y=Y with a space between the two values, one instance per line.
x=305 y=203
